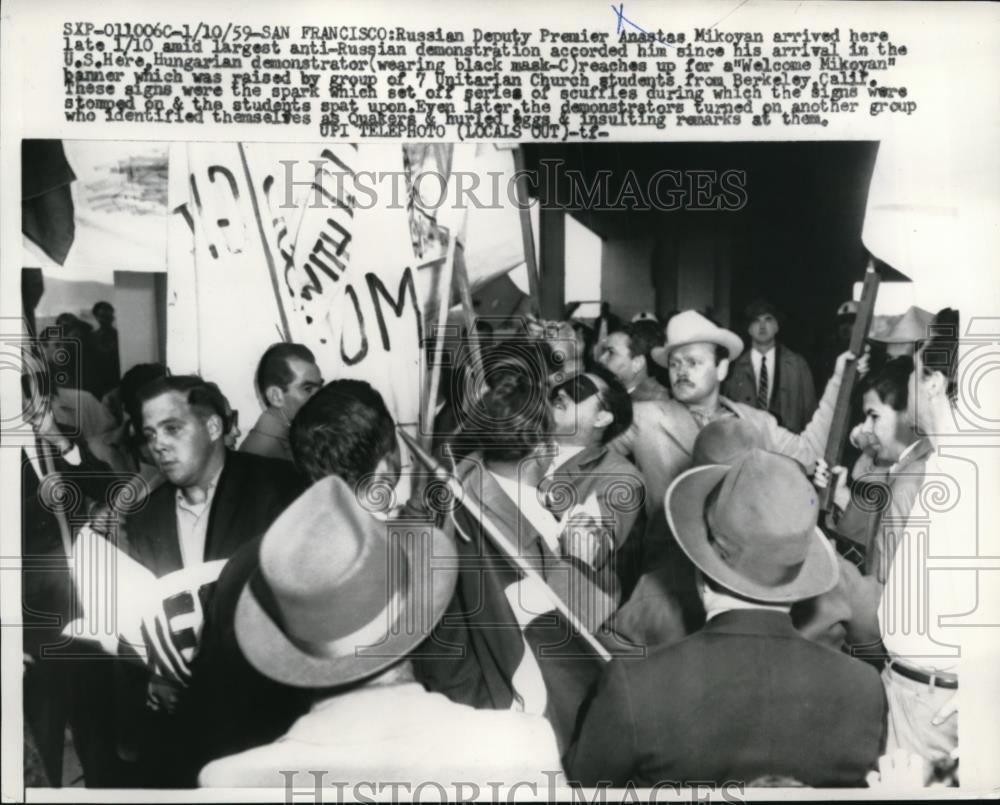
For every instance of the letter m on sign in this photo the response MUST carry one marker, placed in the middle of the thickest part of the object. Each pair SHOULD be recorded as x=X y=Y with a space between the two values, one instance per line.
x=378 y=289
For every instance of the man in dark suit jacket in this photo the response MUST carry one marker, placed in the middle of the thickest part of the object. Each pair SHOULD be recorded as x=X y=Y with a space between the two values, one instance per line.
x=769 y=375
x=60 y=480
x=250 y=493
x=345 y=430
x=747 y=696
x=214 y=501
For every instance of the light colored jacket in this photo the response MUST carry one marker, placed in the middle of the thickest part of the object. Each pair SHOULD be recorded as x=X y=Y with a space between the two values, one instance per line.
x=661 y=440
x=402 y=735
x=649 y=389
x=268 y=438
x=662 y=434
x=615 y=482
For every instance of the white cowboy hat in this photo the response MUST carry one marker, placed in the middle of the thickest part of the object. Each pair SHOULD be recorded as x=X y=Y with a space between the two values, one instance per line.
x=690 y=327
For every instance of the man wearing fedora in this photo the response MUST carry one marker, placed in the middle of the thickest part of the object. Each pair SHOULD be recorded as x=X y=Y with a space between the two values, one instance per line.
x=825 y=618
x=335 y=607
x=901 y=337
x=344 y=430
x=748 y=695
x=769 y=375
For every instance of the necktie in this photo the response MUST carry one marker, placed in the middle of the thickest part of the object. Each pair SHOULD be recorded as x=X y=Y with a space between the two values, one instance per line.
x=762 y=384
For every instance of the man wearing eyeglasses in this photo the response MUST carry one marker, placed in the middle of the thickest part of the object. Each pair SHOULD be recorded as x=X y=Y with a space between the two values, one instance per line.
x=593 y=486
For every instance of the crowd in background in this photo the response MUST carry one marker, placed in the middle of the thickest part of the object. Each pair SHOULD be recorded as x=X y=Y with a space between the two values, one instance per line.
x=658 y=477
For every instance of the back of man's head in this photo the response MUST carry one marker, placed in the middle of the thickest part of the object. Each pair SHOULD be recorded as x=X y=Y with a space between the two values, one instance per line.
x=132 y=383
x=344 y=429
x=642 y=337
x=511 y=419
x=939 y=353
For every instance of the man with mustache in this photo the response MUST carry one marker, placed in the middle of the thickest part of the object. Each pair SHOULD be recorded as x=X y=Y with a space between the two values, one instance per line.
x=660 y=440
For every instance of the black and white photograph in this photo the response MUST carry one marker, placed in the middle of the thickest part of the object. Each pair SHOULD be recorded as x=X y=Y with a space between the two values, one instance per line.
x=589 y=435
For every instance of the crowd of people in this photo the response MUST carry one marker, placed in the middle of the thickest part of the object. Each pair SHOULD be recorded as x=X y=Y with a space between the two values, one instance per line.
x=626 y=578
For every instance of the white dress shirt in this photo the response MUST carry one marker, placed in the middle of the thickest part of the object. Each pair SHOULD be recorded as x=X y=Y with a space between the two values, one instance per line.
x=927 y=591
x=716 y=602
x=192 y=524
x=768 y=357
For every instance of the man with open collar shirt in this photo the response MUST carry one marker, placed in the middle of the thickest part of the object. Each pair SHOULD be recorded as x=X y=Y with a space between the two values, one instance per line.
x=214 y=500
x=501 y=645
x=598 y=484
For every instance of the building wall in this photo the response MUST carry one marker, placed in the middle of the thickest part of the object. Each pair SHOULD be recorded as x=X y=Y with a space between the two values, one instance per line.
x=137 y=318
x=626 y=279
x=681 y=267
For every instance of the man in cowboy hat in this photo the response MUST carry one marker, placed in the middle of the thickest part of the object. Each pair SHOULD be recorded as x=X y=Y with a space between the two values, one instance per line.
x=698 y=353
x=336 y=606
x=763 y=700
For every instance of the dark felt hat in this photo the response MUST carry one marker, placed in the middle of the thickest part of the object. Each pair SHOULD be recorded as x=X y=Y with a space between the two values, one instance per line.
x=722 y=441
